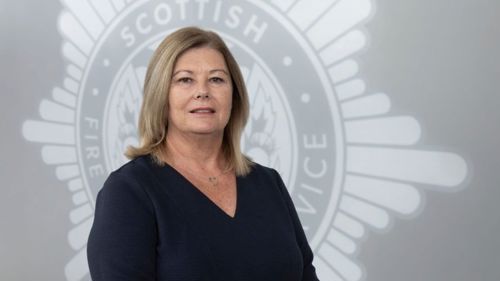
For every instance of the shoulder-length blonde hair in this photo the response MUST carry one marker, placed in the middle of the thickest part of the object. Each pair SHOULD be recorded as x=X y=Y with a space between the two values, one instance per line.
x=153 y=124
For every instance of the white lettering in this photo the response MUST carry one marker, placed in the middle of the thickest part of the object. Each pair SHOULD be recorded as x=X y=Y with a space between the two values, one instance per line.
x=312 y=174
x=92 y=122
x=96 y=170
x=234 y=15
x=218 y=7
x=259 y=30
x=313 y=143
x=311 y=188
x=92 y=152
x=201 y=8
x=127 y=36
x=182 y=7
x=309 y=209
x=163 y=14
x=141 y=28
x=91 y=137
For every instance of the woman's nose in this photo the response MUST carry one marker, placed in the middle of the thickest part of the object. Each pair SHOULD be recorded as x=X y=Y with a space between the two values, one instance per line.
x=201 y=96
x=202 y=91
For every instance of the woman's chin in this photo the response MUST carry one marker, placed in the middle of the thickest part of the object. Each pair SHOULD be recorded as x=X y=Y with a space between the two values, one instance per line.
x=207 y=131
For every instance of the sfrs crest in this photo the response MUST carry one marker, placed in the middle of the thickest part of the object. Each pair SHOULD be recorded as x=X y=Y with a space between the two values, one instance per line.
x=347 y=162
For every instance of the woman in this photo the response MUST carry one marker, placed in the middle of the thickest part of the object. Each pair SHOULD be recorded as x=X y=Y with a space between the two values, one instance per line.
x=190 y=205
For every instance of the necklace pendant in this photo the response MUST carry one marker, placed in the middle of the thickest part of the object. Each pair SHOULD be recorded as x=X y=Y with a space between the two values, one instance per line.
x=213 y=180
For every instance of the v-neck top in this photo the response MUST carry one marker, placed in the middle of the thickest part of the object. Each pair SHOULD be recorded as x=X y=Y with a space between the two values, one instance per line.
x=151 y=223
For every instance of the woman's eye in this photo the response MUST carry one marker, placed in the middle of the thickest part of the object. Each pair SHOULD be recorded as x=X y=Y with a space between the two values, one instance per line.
x=217 y=80
x=184 y=80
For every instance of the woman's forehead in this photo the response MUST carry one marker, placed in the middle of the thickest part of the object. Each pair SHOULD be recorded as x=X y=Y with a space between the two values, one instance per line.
x=201 y=57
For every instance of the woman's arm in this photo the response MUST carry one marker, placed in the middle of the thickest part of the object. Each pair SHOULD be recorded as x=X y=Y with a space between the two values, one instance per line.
x=307 y=254
x=122 y=241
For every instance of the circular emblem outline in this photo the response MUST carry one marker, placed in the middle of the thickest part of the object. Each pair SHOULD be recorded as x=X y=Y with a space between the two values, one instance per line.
x=349 y=224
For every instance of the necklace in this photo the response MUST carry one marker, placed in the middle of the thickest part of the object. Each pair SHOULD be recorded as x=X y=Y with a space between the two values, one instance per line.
x=213 y=180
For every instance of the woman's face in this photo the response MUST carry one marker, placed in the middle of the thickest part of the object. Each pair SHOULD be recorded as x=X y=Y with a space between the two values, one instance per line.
x=200 y=95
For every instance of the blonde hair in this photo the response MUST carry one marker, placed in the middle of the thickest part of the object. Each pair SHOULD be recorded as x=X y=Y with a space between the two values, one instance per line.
x=153 y=124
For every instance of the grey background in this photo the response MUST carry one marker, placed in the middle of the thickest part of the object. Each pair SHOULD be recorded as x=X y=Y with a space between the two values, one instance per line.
x=438 y=61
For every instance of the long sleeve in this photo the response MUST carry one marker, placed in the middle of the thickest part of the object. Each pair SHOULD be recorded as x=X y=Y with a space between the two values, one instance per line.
x=309 y=273
x=122 y=241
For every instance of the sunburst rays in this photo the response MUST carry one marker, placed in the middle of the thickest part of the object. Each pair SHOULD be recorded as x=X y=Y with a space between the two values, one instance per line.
x=81 y=26
x=59 y=149
x=328 y=27
x=382 y=163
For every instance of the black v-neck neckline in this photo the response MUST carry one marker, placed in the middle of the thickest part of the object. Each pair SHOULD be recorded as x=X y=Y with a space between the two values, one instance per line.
x=206 y=198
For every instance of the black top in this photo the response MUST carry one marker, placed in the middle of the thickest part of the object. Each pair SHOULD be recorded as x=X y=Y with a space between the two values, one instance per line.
x=151 y=223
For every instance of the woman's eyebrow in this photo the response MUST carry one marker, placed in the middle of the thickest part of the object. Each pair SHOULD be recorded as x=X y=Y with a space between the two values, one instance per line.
x=182 y=70
x=219 y=70
x=191 y=72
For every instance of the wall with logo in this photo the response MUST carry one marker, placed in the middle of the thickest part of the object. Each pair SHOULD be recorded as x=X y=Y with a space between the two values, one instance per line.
x=382 y=117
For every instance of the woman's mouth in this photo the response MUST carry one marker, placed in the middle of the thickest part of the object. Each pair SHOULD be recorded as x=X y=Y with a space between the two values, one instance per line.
x=202 y=110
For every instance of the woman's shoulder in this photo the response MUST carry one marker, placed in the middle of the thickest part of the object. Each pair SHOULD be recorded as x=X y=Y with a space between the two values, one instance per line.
x=257 y=168
x=136 y=168
x=133 y=175
x=259 y=171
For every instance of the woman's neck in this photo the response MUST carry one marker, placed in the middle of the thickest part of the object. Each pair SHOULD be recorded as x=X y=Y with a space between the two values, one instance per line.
x=200 y=151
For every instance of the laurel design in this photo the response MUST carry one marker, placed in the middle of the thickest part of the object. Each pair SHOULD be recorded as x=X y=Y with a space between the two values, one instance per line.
x=258 y=141
x=123 y=112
